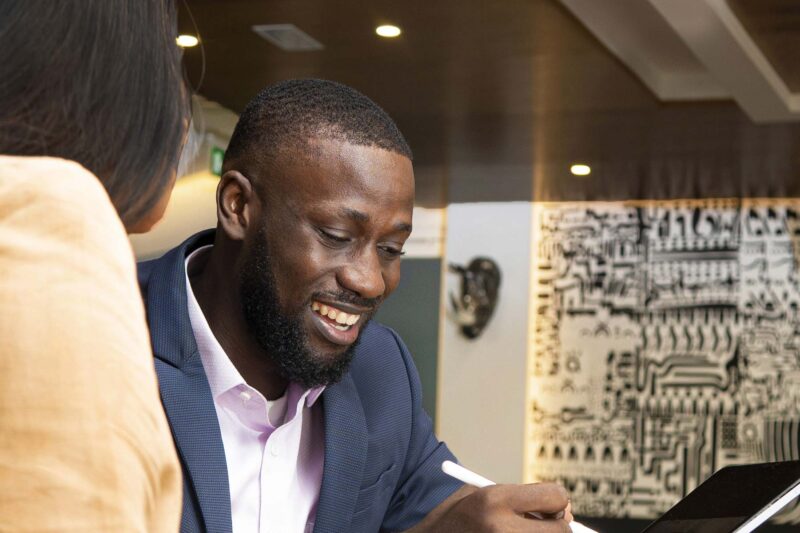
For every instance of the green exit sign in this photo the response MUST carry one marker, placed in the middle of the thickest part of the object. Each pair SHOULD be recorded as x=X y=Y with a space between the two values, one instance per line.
x=217 y=155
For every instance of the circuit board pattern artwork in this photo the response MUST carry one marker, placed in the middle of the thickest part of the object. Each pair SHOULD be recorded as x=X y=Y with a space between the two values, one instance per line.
x=664 y=345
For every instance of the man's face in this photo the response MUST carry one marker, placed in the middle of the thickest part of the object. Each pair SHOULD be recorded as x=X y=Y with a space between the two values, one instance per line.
x=325 y=254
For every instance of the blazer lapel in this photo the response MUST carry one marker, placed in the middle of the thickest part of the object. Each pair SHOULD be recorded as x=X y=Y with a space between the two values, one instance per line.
x=345 y=454
x=184 y=388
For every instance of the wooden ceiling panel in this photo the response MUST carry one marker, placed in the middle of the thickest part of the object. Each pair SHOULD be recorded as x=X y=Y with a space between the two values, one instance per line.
x=774 y=25
x=511 y=83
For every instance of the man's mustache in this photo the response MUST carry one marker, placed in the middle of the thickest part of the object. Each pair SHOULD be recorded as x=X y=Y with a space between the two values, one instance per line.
x=370 y=304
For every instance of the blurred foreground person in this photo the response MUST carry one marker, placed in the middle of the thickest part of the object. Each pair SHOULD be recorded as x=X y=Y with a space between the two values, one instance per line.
x=93 y=113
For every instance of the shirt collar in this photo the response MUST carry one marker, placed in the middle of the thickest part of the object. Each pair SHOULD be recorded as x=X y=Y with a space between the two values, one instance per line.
x=313 y=395
x=222 y=375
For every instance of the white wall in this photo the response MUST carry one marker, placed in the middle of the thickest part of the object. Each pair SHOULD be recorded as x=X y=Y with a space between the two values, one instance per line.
x=191 y=208
x=481 y=393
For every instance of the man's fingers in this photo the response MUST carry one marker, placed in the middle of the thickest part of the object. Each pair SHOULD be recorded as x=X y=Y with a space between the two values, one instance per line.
x=550 y=526
x=547 y=499
x=500 y=508
x=523 y=525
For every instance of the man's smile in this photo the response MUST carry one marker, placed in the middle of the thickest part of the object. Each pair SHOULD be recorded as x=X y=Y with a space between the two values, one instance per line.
x=335 y=324
x=342 y=318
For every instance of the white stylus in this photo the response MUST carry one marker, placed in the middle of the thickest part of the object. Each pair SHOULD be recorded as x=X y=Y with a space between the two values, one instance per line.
x=476 y=480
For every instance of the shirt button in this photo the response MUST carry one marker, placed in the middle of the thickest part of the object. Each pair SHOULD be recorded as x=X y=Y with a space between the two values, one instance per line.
x=245 y=396
x=273 y=449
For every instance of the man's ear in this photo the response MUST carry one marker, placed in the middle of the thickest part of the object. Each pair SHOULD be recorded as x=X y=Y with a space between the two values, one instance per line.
x=237 y=204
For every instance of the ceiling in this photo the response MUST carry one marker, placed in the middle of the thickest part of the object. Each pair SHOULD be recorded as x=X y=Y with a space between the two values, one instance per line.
x=775 y=27
x=498 y=98
x=705 y=49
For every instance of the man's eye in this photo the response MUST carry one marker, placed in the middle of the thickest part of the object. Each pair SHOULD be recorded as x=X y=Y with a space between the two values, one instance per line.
x=392 y=251
x=333 y=237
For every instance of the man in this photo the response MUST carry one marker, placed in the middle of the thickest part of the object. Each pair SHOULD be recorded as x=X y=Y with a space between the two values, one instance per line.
x=291 y=411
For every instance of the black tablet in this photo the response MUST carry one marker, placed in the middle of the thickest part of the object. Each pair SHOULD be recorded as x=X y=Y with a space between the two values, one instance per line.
x=736 y=499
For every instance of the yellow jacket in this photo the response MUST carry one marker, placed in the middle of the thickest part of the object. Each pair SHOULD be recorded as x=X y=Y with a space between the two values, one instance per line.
x=84 y=444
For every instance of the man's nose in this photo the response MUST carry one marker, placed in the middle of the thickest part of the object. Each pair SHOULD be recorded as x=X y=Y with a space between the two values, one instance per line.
x=363 y=275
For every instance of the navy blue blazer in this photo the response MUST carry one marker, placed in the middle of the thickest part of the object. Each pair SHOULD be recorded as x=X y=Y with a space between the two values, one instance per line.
x=382 y=468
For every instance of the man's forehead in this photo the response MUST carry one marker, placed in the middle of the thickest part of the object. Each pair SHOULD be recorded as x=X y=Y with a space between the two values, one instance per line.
x=336 y=158
x=322 y=170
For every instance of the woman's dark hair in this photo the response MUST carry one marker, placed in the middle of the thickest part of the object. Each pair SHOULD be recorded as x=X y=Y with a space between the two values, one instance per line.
x=99 y=82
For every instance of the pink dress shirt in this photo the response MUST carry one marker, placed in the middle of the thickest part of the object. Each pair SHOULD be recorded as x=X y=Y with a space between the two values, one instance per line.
x=274 y=449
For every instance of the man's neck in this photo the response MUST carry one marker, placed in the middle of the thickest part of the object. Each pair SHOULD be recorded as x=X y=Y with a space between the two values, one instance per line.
x=218 y=297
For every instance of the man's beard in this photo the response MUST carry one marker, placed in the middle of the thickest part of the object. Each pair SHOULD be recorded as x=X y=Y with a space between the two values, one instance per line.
x=282 y=335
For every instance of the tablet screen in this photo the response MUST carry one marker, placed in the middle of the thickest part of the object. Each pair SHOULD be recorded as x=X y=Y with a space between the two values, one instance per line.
x=729 y=498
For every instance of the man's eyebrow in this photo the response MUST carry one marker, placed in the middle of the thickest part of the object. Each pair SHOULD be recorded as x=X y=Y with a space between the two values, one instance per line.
x=353 y=214
x=362 y=217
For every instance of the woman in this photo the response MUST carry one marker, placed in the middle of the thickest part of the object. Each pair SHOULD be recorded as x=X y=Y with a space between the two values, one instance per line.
x=93 y=112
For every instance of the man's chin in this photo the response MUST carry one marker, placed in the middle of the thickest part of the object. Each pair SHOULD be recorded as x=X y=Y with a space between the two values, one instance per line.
x=322 y=369
x=308 y=357
x=318 y=363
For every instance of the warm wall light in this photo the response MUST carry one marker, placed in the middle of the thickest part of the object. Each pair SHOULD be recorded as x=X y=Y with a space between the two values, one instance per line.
x=186 y=41
x=387 y=30
x=580 y=170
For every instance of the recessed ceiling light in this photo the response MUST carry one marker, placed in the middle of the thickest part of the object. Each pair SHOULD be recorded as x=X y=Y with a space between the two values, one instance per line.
x=186 y=41
x=387 y=30
x=580 y=170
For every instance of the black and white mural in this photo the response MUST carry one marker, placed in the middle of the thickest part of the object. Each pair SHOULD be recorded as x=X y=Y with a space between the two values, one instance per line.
x=664 y=345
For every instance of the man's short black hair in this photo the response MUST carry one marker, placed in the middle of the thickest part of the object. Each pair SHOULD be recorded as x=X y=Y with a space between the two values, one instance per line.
x=283 y=117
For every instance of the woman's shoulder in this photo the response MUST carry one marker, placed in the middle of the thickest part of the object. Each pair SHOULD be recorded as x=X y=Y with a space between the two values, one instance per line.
x=65 y=183
x=68 y=270
x=56 y=203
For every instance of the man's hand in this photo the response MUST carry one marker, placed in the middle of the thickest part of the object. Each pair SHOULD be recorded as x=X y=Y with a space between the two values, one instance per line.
x=501 y=508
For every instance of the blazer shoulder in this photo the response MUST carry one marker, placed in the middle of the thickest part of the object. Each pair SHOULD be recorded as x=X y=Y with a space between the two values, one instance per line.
x=378 y=344
x=170 y=263
x=143 y=271
x=382 y=332
x=382 y=362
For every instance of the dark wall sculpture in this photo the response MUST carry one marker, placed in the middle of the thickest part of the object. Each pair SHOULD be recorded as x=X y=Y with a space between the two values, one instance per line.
x=474 y=306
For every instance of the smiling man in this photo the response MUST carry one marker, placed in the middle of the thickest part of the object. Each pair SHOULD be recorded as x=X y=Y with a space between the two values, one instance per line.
x=291 y=411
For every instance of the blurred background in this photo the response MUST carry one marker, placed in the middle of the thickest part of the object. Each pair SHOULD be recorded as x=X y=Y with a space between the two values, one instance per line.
x=630 y=166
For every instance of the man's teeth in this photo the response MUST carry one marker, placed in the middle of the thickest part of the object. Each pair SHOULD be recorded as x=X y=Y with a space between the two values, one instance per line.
x=343 y=320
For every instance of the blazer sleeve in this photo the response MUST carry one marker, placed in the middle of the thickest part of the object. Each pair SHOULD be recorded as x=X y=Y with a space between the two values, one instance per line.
x=422 y=485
